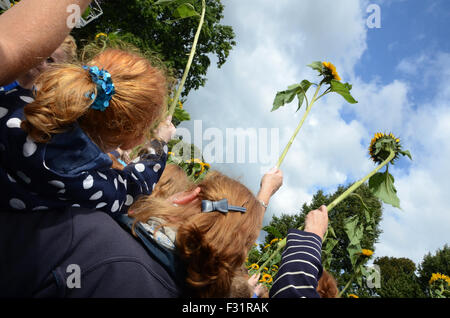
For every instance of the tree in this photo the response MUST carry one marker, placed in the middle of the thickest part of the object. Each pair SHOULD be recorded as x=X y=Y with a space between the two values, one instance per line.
x=341 y=264
x=152 y=28
x=398 y=278
x=437 y=263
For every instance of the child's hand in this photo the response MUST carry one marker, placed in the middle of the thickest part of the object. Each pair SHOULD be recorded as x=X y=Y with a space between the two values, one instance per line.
x=166 y=130
x=253 y=280
x=260 y=290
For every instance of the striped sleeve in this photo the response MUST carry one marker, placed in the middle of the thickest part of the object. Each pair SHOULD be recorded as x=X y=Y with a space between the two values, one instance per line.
x=301 y=267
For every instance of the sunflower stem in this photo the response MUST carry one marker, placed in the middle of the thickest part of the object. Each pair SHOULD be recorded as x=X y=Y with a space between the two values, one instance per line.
x=308 y=108
x=347 y=285
x=350 y=190
x=358 y=183
x=188 y=65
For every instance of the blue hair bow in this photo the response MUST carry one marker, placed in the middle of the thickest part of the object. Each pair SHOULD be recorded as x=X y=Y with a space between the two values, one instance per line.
x=105 y=87
x=221 y=206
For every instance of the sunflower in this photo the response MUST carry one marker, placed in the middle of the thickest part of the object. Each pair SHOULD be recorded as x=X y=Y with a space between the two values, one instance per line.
x=274 y=240
x=352 y=296
x=437 y=276
x=381 y=145
x=101 y=34
x=366 y=252
x=331 y=71
x=267 y=245
x=274 y=268
x=266 y=278
x=254 y=266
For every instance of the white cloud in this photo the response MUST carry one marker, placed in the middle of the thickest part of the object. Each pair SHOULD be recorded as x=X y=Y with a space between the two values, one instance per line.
x=275 y=41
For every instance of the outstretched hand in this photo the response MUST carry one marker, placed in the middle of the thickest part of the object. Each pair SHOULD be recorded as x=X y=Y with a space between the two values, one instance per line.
x=166 y=130
x=316 y=221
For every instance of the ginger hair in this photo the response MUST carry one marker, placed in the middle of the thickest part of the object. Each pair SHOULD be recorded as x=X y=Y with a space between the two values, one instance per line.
x=327 y=286
x=63 y=99
x=173 y=180
x=212 y=245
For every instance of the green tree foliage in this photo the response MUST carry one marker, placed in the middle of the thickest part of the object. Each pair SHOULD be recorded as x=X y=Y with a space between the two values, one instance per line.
x=398 y=278
x=153 y=28
x=341 y=264
x=437 y=263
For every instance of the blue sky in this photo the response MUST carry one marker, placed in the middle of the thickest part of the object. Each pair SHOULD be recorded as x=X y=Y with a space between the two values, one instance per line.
x=400 y=77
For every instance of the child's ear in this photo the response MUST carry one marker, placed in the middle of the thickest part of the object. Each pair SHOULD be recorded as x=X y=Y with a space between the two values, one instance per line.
x=185 y=197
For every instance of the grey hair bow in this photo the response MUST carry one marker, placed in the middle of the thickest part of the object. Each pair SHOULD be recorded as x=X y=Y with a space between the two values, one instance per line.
x=221 y=206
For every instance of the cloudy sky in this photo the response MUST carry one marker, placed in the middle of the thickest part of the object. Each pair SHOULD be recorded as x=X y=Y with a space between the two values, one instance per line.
x=400 y=74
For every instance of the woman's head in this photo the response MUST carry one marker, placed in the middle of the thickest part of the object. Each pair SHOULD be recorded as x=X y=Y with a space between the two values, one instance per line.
x=64 y=97
x=65 y=53
x=213 y=245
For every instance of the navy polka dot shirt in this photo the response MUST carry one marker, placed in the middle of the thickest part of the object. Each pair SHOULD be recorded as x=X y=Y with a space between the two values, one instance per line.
x=70 y=170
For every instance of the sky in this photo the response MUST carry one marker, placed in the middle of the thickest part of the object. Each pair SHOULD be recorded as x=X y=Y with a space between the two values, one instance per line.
x=399 y=70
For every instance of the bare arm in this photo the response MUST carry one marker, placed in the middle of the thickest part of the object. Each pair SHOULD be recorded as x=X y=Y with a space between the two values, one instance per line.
x=270 y=183
x=30 y=31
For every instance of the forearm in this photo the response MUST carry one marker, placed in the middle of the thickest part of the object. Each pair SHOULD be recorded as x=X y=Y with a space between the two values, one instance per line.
x=264 y=195
x=32 y=30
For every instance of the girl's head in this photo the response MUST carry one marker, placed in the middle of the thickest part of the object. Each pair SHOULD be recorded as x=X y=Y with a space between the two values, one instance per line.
x=327 y=286
x=173 y=180
x=64 y=97
x=213 y=245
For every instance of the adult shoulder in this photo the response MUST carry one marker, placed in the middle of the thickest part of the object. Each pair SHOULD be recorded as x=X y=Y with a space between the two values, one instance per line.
x=45 y=251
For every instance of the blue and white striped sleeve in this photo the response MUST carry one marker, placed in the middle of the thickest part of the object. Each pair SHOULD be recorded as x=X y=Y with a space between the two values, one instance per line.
x=301 y=267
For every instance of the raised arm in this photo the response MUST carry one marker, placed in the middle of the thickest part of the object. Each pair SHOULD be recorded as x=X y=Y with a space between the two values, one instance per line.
x=31 y=30
x=270 y=183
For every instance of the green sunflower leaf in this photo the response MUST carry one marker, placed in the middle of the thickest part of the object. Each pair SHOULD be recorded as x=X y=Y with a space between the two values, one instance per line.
x=304 y=86
x=342 y=89
x=381 y=185
x=317 y=65
x=286 y=96
x=180 y=115
x=185 y=10
x=405 y=153
x=164 y=2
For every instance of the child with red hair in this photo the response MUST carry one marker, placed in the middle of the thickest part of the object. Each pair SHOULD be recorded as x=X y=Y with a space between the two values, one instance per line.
x=53 y=151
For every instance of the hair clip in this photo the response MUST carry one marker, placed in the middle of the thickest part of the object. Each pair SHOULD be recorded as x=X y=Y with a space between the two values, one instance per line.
x=221 y=206
x=105 y=87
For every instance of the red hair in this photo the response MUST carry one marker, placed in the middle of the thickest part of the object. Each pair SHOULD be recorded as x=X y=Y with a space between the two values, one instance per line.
x=213 y=245
x=63 y=98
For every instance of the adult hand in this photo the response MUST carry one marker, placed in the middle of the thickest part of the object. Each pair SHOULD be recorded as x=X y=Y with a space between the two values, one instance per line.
x=316 y=221
x=166 y=130
x=270 y=183
x=272 y=180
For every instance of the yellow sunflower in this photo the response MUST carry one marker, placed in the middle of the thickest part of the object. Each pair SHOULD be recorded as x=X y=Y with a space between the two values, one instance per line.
x=437 y=276
x=266 y=278
x=352 y=296
x=381 y=144
x=366 y=252
x=332 y=70
x=101 y=34
x=274 y=240
x=274 y=268
x=254 y=266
